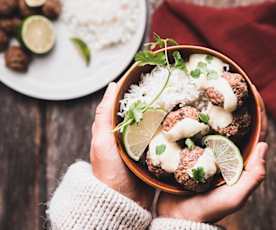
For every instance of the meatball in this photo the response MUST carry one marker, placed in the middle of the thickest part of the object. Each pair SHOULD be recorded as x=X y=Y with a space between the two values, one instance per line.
x=52 y=9
x=238 y=84
x=17 y=59
x=187 y=160
x=7 y=7
x=4 y=40
x=239 y=126
x=25 y=10
x=156 y=170
x=9 y=25
x=173 y=117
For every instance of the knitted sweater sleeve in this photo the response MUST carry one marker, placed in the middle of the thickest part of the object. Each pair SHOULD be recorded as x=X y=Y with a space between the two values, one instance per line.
x=81 y=202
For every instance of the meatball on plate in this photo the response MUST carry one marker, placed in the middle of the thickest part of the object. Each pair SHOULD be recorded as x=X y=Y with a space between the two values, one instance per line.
x=188 y=123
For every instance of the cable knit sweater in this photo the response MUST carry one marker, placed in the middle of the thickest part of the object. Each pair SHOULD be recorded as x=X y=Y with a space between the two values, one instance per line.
x=81 y=202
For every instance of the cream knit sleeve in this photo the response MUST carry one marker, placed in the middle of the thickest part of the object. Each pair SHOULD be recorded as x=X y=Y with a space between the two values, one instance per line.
x=81 y=202
x=178 y=224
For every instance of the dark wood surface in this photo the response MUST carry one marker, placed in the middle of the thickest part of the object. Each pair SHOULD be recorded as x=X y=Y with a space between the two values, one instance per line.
x=40 y=139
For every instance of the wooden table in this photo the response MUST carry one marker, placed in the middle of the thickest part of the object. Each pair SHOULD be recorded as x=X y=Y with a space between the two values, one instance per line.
x=40 y=139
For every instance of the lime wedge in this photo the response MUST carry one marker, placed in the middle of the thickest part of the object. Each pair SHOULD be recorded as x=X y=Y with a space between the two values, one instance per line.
x=137 y=137
x=38 y=34
x=228 y=157
x=35 y=3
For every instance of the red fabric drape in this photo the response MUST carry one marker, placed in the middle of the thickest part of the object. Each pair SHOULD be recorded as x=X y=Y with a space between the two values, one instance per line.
x=246 y=34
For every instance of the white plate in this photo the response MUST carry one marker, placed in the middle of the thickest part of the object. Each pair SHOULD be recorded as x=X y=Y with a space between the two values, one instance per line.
x=63 y=75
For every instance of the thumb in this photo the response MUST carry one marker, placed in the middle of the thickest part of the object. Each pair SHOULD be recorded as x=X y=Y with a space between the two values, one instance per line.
x=103 y=118
x=254 y=173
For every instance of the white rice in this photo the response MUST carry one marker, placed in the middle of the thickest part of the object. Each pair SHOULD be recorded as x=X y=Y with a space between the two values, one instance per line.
x=180 y=89
x=101 y=23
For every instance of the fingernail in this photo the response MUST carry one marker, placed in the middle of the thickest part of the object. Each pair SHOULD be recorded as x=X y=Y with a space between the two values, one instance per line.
x=262 y=147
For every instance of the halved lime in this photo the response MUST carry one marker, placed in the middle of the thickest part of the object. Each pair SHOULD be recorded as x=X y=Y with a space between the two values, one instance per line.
x=137 y=137
x=35 y=3
x=38 y=34
x=228 y=157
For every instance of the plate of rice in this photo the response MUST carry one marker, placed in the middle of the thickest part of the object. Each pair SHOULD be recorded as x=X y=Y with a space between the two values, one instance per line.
x=113 y=31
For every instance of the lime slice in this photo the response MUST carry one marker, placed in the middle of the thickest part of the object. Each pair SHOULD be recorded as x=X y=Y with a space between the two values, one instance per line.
x=228 y=157
x=137 y=137
x=35 y=3
x=38 y=34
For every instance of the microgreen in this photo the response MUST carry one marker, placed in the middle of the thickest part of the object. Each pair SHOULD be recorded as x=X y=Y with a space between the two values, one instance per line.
x=190 y=144
x=133 y=115
x=160 y=149
x=195 y=73
x=204 y=118
x=179 y=62
x=198 y=174
x=83 y=48
x=209 y=58
x=212 y=75
x=147 y=57
x=150 y=58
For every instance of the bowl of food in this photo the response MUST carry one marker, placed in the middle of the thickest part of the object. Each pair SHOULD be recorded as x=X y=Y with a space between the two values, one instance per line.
x=186 y=118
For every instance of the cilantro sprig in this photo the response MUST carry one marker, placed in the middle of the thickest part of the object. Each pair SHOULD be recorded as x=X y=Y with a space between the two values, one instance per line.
x=148 y=57
x=160 y=149
x=198 y=174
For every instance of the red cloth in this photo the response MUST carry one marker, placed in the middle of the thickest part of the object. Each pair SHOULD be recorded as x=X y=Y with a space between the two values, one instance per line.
x=246 y=34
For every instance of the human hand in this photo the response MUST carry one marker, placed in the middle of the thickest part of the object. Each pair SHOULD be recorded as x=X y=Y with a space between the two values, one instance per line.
x=220 y=202
x=106 y=163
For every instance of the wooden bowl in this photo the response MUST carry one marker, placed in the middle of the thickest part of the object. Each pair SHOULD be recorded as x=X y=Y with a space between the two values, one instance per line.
x=133 y=76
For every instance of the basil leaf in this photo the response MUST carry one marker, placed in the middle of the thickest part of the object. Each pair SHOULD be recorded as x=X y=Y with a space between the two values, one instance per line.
x=150 y=58
x=204 y=117
x=179 y=62
x=198 y=174
x=195 y=73
x=190 y=144
x=83 y=48
x=160 y=149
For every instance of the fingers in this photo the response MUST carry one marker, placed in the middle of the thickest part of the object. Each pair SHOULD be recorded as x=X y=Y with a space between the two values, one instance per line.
x=103 y=119
x=255 y=170
x=253 y=175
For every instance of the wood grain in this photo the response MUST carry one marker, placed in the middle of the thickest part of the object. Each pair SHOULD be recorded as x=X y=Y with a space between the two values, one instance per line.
x=68 y=131
x=20 y=161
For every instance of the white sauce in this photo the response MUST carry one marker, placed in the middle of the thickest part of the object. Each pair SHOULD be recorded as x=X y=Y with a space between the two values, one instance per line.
x=207 y=162
x=218 y=117
x=169 y=159
x=215 y=64
x=223 y=86
x=185 y=128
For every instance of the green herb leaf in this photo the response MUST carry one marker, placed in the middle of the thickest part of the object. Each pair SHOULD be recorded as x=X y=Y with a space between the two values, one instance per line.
x=179 y=62
x=133 y=115
x=150 y=58
x=204 y=118
x=195 y=73
x=162 y=42
x=212 y=75
x=202 y=65
x=136 y=111
x=83 y=48
x=198 y=174
x=209 y=58
x=190 y=144
x=160 y=149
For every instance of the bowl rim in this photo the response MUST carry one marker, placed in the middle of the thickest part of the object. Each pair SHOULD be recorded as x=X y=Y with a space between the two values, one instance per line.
x=132 y=165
